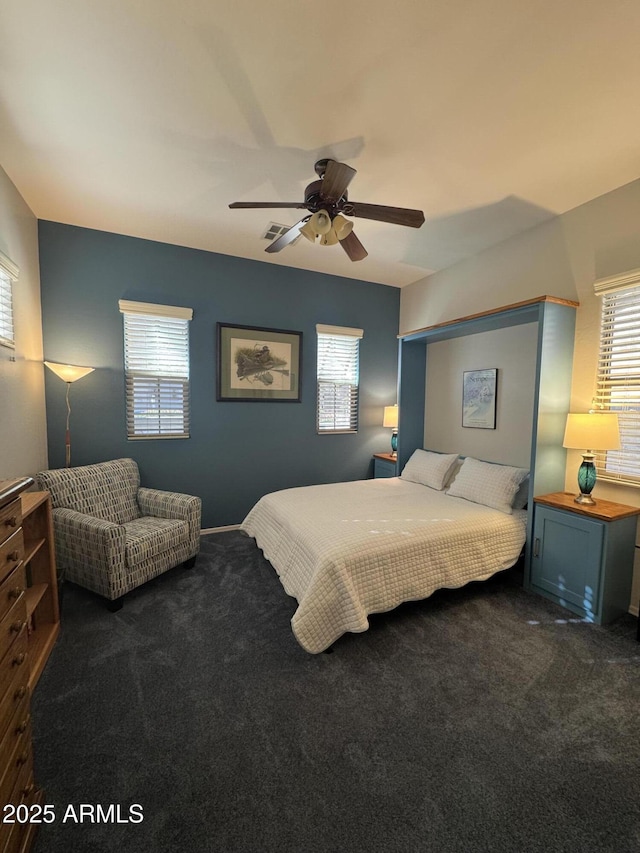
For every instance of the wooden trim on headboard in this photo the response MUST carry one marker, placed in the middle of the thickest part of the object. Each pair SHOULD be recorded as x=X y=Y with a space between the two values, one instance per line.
x=500 y=310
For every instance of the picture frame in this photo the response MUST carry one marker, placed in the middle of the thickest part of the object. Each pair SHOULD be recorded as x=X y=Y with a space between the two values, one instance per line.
x=479 y=398
x=256 y=364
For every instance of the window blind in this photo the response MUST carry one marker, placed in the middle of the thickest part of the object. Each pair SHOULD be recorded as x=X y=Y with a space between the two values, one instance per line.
x=156 y=354
x=618 y=377
x=338 y=378
x=8 y=274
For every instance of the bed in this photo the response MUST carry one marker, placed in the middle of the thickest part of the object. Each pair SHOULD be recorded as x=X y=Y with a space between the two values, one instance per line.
x=347 y=550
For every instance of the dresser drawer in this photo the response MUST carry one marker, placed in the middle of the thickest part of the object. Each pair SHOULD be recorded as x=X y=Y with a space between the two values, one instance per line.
x=11 y=553
x=14 y=663
x=16 y=837
x=16 y=692
x=12 y=590
x=16 y=747
x=16 y=712
x=13 y=623
x=10 y=518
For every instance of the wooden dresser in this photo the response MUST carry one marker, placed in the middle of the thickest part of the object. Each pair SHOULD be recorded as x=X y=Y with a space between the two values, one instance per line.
x=29 y=624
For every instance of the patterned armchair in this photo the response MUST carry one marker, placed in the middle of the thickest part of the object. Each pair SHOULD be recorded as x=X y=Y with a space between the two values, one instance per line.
x=111 y=535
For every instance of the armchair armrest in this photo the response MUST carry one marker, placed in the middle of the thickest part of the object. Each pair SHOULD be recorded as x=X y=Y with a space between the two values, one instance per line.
x=89 y=550
x=166 y=504
x=163 y=504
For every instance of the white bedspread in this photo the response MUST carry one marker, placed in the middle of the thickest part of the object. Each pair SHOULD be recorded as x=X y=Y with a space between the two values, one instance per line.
x=345 y=550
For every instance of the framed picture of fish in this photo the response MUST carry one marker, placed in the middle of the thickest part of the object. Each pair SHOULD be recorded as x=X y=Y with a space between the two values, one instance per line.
x=259 y=365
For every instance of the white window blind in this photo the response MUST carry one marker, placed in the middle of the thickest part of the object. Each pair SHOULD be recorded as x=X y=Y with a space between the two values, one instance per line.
x=618 y=379
x=338 y=378
x=156 y=362
x=8 y=274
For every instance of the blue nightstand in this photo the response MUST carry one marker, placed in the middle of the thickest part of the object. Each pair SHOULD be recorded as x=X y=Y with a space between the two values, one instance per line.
x=385 y=465
x=582 y=556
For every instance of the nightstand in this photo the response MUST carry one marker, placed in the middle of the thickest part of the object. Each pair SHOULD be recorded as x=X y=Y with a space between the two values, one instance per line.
x=385 y=465
x=582 y=556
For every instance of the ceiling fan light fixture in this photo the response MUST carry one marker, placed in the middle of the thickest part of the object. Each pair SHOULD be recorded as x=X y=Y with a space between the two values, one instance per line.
x=342 y=227
x=321 y=222
x=308 y=231
x=329 y=239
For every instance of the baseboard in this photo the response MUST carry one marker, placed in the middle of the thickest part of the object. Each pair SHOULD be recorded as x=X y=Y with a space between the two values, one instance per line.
x=206 y=530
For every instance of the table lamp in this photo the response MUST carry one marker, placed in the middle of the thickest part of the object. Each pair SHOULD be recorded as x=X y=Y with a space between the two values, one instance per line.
x=596 y=431
x=390 y=419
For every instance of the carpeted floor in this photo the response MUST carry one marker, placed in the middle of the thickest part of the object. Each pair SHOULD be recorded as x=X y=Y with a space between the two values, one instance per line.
x=483 y=719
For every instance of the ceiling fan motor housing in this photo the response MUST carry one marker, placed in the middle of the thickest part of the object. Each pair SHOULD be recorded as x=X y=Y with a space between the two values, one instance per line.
x=314 y=200
x=320 y=167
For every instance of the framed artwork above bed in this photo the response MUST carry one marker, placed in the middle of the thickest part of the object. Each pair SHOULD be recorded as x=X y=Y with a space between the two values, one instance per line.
x=479 y=395
x=257 y=364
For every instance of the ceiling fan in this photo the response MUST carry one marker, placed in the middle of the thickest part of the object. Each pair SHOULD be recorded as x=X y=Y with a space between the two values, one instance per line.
x=327 y=202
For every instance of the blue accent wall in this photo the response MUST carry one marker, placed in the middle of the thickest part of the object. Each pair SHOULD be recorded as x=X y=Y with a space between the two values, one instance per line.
x=237 y=451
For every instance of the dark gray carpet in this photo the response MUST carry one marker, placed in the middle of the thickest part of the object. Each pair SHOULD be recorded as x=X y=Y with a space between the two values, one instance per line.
x=478 y=720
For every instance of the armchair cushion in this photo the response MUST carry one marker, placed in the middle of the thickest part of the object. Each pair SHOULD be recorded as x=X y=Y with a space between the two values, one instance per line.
x=147 y=536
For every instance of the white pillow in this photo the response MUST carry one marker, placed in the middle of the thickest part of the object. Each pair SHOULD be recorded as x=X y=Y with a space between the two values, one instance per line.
x=487 y=483
x=522 y=495
x=429 y=469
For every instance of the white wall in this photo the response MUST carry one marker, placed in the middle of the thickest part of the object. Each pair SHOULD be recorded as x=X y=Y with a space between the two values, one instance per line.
x=23 y=448
x=513 y=352
x=560 y=258
x=536 y=263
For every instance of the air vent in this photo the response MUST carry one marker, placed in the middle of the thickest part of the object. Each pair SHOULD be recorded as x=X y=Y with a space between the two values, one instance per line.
x=274 y=230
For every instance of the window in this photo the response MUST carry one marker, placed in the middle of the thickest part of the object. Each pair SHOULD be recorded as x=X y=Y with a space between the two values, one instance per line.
x=338 y=376
x=8 y=274
x=156 y=363
x=618 y=381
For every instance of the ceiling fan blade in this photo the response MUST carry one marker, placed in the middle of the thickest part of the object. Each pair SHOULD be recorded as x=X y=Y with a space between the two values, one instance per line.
x=249 y=204
x=337 y=178
x=353 y=247
x=286 y=238
x=382 y=213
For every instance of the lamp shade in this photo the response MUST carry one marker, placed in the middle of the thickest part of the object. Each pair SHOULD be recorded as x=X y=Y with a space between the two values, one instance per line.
x=390 y=417
x=69 y=372
x=307 y=231
x=329 y=239
x=593 y=431
x=321 y=222
x=343 y=227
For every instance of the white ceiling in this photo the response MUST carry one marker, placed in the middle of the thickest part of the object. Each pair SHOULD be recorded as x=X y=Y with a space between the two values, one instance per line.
x=148 y=117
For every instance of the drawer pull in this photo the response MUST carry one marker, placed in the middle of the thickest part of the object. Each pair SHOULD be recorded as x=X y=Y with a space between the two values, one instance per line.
x=16 y=592
x=19 y=659
x=22 y=727
x=26 y=792
x=22 y=759
x=12 y=522
x=13 y=556
x=20 y=693
x=17 y=627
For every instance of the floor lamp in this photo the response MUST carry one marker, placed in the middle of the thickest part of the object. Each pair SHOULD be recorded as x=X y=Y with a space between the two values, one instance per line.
x=68 y=373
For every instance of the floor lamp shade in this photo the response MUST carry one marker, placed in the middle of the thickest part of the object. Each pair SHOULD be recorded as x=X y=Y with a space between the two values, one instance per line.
x=390 y=420
x=590 y=432
x=68 y=373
